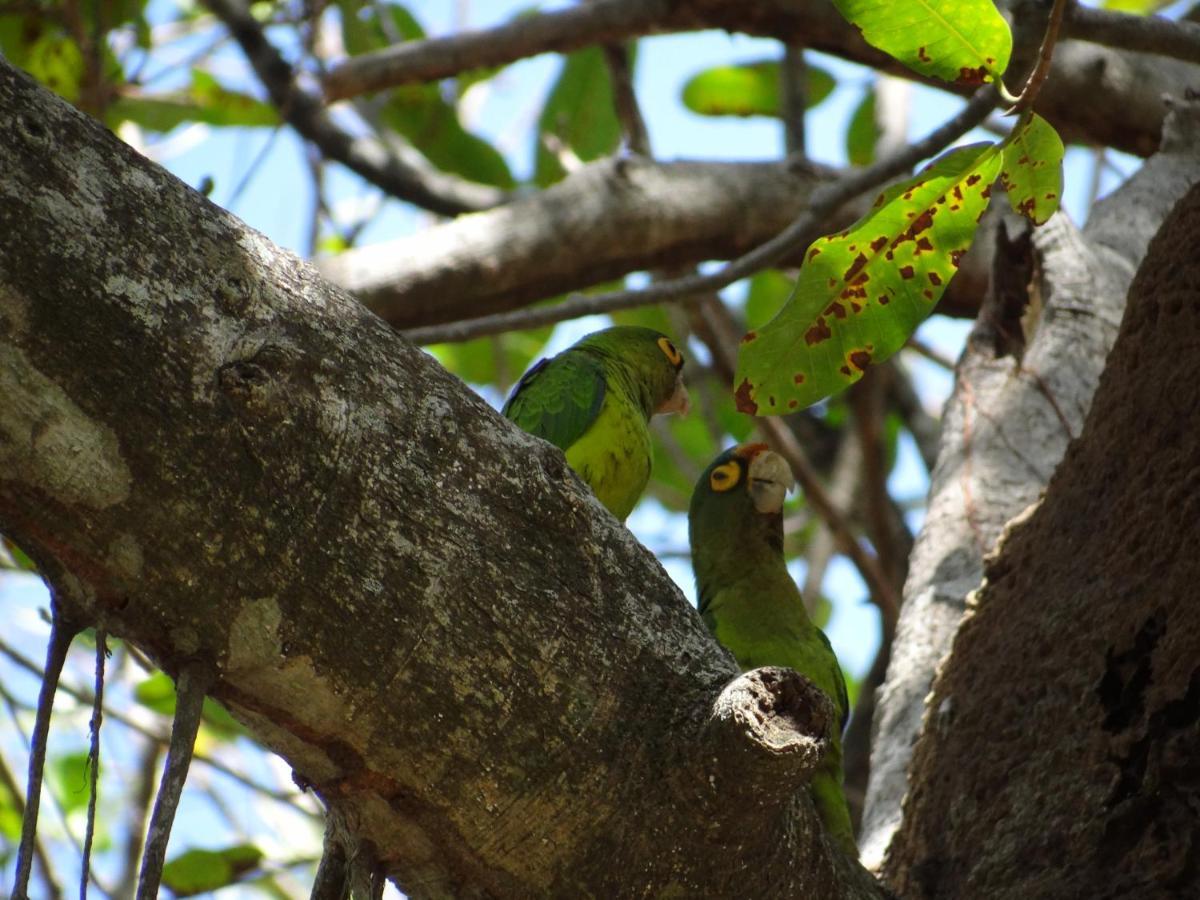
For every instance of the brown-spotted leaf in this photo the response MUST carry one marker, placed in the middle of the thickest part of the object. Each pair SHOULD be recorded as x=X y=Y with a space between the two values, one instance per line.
x=862 y=292
x=961 y=41
x=1032 y=170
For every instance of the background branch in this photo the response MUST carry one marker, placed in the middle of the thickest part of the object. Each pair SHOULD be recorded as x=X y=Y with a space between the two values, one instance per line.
x=794 y=238
x=369 y=157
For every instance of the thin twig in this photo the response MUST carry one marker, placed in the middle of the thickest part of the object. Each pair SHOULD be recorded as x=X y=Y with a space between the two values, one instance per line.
x=195 y=678
x=94 y=760
x=867 y=402
x=369 y=157
x=1033 y=84
x=586 y=24
x=159 y=739
x=62 y=633
x=137 y=809
x=261 y=157
x=629 y=114
x=13 y=705
x=843 y=486
x=784 y=442
x=800 y=233
x=921 y=348
x=53 y=890
x=793 y=76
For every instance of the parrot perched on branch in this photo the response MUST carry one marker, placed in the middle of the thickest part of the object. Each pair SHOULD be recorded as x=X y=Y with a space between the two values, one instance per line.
x=752 y=606
x=594 y=400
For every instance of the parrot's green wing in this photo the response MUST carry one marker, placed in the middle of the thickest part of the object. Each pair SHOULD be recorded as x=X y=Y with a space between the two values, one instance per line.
x=559 y=398
x=842 y=699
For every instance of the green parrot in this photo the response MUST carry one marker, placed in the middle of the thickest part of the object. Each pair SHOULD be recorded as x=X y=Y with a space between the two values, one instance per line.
x=752 y=606
x=594 y=400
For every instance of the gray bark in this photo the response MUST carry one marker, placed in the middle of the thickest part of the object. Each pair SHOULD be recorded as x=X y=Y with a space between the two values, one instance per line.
x=1059 y=753
x=219 y=457
x=1005 y=429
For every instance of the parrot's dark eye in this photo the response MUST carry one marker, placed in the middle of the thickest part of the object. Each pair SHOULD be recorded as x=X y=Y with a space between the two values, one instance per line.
x=725 y=476
x=672 y=354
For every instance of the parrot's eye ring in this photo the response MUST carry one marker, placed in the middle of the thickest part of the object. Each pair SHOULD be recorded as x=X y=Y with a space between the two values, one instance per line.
x=725 y=476
x=672 y=354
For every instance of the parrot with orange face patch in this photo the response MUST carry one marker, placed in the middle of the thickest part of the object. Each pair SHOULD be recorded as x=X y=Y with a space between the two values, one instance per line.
x=752 y=606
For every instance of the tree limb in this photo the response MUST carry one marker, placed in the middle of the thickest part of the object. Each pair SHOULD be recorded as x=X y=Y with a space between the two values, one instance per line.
x=192 y=684
x=1009 y=421
x=415 y=603
x=1144 y=34
x=1094 y=94
x=792 y=239
x=1064 y=722
x=557 y=31
x=62 y=632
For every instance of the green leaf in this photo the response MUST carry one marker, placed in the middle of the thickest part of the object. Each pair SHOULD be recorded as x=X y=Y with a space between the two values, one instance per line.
x=206 y=100
x=748 y=89
x=863 y=291
x=363 y=30
x=961 y=41
x=158 y=694
x=13 y=557
x=1032 y=170
x=863 y=131
x=70 y=778
x=196 y=871
x=500 y=359
x=769 y=290
x=419 y=112
x=57 y=62
x=10 y=818
x=579 y=115
x=1135 y=7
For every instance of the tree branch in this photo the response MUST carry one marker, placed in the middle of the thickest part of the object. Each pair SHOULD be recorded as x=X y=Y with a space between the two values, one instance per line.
x=62 y=632
x=398 y=582
x=422 y=185
x=558 y=31
x=1094 y=94
x=793 y=239
x=93 y=760
x=194 y=681
x=1144 y=34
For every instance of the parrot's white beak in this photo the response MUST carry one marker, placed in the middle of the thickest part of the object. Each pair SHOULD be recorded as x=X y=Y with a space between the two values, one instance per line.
x=770 y=480
x=679 y=401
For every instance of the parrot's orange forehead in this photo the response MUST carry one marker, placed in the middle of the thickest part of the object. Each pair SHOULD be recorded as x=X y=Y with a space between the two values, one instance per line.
x=749 y=451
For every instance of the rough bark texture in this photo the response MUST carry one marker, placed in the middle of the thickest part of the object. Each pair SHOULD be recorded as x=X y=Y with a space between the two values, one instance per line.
x=1059 y=758
x=610 y=218
x=1004 y=431
x=220 y=458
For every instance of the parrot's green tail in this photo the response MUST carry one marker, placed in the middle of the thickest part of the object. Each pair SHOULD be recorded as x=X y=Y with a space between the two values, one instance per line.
x=830 y=801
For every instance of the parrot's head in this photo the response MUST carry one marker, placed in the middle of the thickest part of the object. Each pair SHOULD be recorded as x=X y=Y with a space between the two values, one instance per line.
x=736 y=513
x=650 y=363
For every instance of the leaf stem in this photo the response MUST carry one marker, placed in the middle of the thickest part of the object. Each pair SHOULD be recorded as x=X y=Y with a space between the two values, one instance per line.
x=1033 y=84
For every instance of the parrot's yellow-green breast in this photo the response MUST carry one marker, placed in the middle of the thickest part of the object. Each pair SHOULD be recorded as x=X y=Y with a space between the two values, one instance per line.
x=594 y=400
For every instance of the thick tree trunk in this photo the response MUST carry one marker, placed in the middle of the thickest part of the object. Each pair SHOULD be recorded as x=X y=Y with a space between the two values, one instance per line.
x=1060 y=748
x=221 y=458
x=1006 y=427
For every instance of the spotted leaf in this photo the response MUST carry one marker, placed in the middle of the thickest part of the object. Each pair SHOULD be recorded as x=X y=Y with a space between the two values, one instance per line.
x=862 y=292
x=1032 y=170
x=962 y=41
